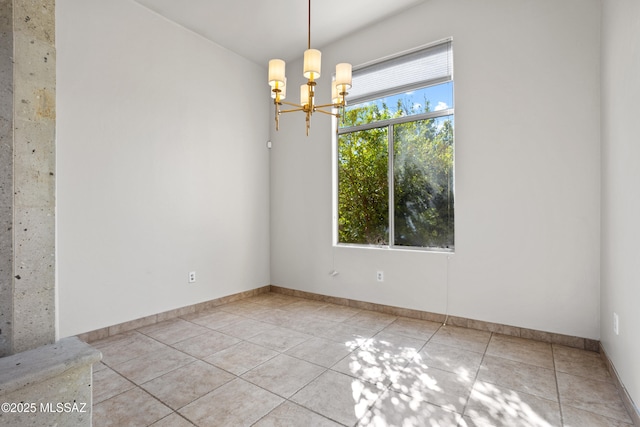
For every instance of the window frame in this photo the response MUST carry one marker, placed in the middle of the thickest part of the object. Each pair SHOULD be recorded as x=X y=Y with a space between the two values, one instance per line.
x=389 y=124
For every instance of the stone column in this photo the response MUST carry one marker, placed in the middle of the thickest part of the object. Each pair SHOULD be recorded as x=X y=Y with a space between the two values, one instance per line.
x=6 y=176
x=34 y=369
x=27 y=180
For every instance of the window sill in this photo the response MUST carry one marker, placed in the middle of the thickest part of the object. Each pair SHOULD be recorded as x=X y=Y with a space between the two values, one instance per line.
x=443 y=251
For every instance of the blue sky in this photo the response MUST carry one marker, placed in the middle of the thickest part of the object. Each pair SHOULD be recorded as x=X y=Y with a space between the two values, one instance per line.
x=439 y=96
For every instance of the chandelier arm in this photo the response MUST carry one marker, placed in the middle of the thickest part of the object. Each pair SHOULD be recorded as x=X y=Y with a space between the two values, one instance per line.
x=293 y=104
x=337 y=105
x=292 y=110
x=327 y=112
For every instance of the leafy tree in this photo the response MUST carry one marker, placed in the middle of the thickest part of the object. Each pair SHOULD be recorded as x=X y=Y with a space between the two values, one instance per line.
x=363 y=196
x=423 y=178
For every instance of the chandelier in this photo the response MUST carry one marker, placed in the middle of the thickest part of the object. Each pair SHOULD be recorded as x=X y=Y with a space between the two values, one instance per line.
x=311 y=71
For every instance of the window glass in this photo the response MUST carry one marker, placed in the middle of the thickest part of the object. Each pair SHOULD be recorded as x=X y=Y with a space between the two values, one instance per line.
x=423 y=183
x=433 y=98
x=363 y=196
x=395 y=155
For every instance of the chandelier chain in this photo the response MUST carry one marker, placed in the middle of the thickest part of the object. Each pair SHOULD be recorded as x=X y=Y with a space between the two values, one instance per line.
x=309 y=27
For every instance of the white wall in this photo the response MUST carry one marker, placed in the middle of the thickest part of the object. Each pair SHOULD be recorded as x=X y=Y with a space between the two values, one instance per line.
x=162 y=168
x=620 y=280
x=527 y=171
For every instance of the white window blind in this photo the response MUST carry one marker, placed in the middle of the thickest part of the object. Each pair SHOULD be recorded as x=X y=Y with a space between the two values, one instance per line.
x=420 y=68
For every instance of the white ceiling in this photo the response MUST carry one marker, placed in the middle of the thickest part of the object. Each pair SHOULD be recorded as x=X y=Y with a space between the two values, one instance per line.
x=263 y=29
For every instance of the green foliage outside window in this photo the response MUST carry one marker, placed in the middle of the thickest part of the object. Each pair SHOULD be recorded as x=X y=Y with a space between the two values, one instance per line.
x=422 y=181
x=363 y=197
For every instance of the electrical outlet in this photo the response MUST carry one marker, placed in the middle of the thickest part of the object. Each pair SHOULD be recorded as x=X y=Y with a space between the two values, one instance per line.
x=192 y=277
x=380 y=276
x=616 y=324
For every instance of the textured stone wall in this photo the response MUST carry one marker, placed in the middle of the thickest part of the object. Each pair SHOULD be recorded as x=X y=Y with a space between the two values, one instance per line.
x=34 y=173
x=6 y=175
x=27 y=156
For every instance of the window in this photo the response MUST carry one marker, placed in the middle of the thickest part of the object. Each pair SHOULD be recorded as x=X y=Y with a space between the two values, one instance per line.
x=395 y=153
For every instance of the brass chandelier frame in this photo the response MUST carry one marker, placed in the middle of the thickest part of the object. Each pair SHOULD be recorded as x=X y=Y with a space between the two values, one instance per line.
x=307 y=105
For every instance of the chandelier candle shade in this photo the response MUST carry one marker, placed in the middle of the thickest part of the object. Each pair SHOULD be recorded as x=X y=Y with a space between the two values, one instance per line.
x=311 y=71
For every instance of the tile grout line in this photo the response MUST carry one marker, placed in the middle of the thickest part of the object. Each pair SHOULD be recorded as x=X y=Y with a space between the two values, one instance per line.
x=388 y=387
x=139 y=386
x=118 y=394
x=555 y=376
x=589 y=379
x=475 y=379
x=286 y=399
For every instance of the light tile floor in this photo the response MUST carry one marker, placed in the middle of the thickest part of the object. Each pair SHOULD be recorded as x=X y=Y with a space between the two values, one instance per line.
x=275 y=360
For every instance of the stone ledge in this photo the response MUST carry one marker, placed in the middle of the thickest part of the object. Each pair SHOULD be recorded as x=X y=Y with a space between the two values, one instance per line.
x=36 y=366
